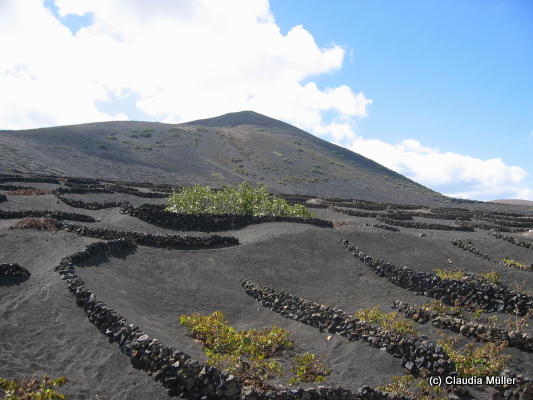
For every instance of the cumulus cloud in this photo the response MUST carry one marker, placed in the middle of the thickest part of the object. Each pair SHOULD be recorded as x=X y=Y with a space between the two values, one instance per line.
x=452 y=174
x=182 y=60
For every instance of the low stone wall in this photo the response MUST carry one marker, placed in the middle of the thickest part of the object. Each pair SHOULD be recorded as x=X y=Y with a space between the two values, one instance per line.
x=15 y=187
x=59 y=215
x=473 y=294
x=176 y=371
x=382 y=226
x=471 y=249
x=510 y=239
x=479 y=253
x=355 y=213
x=13 y=269
x=469 y=329
x=208 y=222
x=95 y=205
x=35 y=179
x=415 y=352
x=487 y=227
x=423 y=225
x=147 y=238
x=80 y=189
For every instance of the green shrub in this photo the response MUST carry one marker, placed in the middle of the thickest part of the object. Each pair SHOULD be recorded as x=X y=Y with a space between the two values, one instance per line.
x=102 y=146
x=450 y=274
x=245 y=199
x=245 y=353
x=471 y=361
x=308 y=368
x=387 y=321
x=32 y=389
x=134 y=136
x=401 y=385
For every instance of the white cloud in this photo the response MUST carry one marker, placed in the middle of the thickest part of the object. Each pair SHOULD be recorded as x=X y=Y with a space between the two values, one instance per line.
x=184 y=60
x=450 y=173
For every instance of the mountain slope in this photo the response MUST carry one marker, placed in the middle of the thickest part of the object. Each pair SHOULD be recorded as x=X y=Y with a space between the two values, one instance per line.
x=224 y=150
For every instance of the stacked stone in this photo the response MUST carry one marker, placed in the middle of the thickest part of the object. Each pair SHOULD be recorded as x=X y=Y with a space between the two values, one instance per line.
x=471 y=329
x=415 y=352
x=13 y=269
x=510 y=239
x=59 y=215
x=487 y=227
x=148 y=238
x=208 y=222
x=95 y=205
x=383 y=226
x=423 y=225
x=475 y=294
x=35 y=179
x=522 y=389
x=15 y=187
x=355 y=213
x=512 y=224
x=80 y=189
x=471 y=249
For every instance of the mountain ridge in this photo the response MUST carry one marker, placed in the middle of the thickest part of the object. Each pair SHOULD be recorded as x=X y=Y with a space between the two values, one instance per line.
x=219 y=151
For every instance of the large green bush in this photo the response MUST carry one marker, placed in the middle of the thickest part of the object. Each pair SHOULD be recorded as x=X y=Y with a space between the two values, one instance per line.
x=246 y=199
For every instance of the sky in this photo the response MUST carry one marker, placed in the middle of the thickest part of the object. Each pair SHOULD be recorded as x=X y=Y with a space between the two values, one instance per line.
x=439 y=91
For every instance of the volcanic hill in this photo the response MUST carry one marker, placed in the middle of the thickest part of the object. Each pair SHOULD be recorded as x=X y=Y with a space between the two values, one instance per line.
x=224 y=150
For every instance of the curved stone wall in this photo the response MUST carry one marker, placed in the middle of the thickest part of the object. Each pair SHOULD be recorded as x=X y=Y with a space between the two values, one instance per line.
x=474 y=294
x=510 y=239
x=147 y=238
x=423 y=225
x=60 y=215
x=207 y=222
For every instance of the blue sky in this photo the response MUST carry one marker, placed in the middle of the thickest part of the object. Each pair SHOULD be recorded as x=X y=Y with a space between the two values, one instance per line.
x=440 y=91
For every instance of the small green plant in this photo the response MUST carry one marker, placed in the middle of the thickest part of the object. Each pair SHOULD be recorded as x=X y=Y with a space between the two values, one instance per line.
x=288 y=161
x=134 y=136
x=134 y=131
x=102 y=146
x=109 y=137
x=277 y=153
x=440 y=307
x=149 y=148
x=175 y=130
x=127 y=142
x=308 y=368
x=32 y=389
x=406 y=386
x=453 y=274
x=471 y=361
x=519 y=323
x=217 y=175
x=492 y=276
x=387 y=321
x=244 y=353
x=513 y=263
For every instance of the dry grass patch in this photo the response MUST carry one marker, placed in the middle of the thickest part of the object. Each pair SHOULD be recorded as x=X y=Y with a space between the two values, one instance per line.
x=42 y=224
